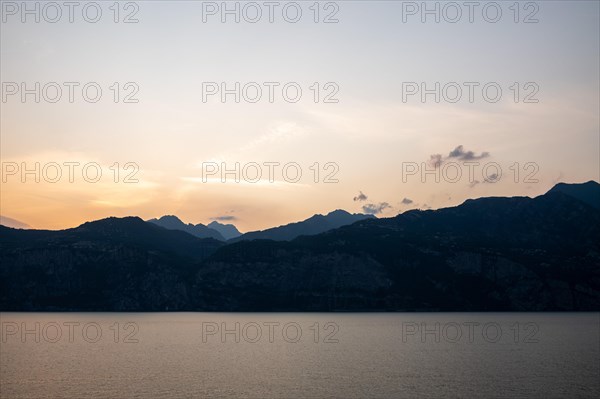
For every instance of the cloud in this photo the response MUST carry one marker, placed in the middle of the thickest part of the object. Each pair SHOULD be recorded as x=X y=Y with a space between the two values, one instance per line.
x=435 y=160
x=280 y=133
x=459 y=153
x=474 y=183
x=360 y=197
x=225 y=218
x=407 y=201
x=493 y=178
x=15 y=224
x=375 y=209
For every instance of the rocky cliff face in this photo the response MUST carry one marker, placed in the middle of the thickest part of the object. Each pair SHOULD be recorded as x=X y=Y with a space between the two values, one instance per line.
x=518 y=254
x=98 y=277
x=112 y=264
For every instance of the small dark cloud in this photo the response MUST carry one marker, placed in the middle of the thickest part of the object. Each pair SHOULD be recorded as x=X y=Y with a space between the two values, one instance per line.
x=493 y=178
x=459 y=153
x=435 y=160
x=360 y=197
x=407 y=201
x=225 y=218
x=474 y=183
x=375 y=209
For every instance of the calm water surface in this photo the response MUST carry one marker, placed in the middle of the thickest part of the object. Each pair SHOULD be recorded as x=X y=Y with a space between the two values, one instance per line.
x=299 y=355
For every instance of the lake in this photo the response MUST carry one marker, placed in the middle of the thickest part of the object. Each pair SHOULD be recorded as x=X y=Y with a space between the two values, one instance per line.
x=299 y=355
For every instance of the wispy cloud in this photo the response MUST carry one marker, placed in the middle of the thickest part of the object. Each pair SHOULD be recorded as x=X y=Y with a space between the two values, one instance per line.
x=459 y=153
x=263 y=183
x=280 y=133
x=15 y=224
x=376 y=209
x=224 y=218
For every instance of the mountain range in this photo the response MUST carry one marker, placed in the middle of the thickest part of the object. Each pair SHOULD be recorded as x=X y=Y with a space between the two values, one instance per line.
x=314 y=225
x=228 y=232
x=199 y=230
x=487 y=254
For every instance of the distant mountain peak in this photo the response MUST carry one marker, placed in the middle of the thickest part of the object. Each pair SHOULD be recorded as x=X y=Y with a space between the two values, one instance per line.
x=315 y=224
x=338 y=212
x=228 y=231
x=114 y=221
x=172 y=222
x=171 y=218
x=588 y=192
x=587 y=183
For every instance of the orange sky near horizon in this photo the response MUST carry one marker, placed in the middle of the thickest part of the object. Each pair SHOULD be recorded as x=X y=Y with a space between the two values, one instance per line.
x=164 y=140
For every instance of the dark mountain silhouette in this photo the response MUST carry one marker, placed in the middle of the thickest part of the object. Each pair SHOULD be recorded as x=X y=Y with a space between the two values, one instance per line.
x=316 y=224
x=228 y=231
x=199 y=230
x=587 y=192
x=114 y=263
x=488 y=254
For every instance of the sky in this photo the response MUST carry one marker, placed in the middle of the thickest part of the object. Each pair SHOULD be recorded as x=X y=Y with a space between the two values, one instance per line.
x=161 y=133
